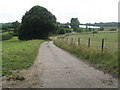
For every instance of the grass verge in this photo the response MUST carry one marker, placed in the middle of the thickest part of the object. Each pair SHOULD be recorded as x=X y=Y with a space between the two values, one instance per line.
x=18 y=55
x=100 y=60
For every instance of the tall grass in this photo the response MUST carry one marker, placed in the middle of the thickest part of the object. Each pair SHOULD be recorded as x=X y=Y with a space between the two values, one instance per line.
x=101 y=60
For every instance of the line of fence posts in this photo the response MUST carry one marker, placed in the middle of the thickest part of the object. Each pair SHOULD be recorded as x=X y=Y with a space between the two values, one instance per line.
x=79 y=42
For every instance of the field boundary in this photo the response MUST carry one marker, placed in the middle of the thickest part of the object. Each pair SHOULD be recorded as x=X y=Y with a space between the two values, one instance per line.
x=101 y=60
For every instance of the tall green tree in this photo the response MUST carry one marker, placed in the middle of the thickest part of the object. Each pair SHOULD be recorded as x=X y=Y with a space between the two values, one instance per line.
x=37 y=23
x=74 y=23
x=15 y=26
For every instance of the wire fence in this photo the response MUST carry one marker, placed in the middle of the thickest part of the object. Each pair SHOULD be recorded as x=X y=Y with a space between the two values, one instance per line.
x=79 y=42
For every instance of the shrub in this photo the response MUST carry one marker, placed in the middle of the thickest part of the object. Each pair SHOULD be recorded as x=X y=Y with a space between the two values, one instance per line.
x=61 y=30
x=95 y=32
x=113 y=29
x=79 y=30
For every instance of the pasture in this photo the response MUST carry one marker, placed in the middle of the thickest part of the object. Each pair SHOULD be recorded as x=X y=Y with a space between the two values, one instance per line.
x=18 y=55
x=110 y=45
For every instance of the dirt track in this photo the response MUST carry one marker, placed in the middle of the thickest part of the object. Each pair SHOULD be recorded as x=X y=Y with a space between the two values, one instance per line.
x=55 y=68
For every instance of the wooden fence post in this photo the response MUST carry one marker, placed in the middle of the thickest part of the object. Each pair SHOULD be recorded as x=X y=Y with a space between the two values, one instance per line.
x=78 y=41
x=102 y=45
x=71 y=40
x=89 y=42
x=67 y=40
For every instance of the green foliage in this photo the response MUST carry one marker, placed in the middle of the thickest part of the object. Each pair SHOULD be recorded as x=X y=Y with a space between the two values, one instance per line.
x=74 y=23
x=68 y=30
x=5 y=36
x=113 y=29
x=101 y=29
x=15 y=26
x=61 y=30
x=37 y=23
x=18 y=55
x=90 y=29
x=5 y=26
x=101 y=60
x=79 y=29
x=95 y=31
x=102 y=24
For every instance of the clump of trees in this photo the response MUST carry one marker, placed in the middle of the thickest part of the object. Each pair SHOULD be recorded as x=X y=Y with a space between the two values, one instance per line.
x=5 y=36
x=74 y=23
x=37 y=23
x=16 y=25
x=61 y=30
x=101 y=29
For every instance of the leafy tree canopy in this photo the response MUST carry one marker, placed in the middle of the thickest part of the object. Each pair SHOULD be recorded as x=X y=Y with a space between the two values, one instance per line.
x=37 y=23
x=15 y=26
x=74 y=23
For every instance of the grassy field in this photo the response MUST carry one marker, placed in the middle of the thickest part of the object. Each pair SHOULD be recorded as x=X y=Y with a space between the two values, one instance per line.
x=111 y=40
x=18 y=55
x=106 y=61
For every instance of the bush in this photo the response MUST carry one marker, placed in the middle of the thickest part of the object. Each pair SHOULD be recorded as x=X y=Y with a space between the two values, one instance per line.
x=79 y=30
x=113 y=29
x=5 y=36
x=95 y=32
x=101 y=29
x=61 y=30
x=68 y=30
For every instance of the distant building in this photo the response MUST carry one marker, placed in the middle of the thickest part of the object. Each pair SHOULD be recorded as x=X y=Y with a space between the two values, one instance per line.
x=65 y=25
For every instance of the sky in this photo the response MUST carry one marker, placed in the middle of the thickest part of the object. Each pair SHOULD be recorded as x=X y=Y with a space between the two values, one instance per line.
x=87 y=11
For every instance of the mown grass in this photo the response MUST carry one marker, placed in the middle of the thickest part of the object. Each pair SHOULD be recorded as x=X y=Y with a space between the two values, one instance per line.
x=101 y=60
x=18 y=55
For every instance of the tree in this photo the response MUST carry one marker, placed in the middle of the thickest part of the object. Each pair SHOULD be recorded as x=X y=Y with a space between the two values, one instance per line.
x=74 y=23
x=62 y=30
x=37 y=23
x=101 y=29
x=15 y=26
x=79 y=30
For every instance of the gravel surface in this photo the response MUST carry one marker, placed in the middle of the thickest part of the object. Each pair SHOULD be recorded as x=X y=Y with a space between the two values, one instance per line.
x=55 y=68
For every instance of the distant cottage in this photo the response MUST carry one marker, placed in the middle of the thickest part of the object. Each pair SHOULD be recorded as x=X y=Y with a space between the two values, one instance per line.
x=65 y=25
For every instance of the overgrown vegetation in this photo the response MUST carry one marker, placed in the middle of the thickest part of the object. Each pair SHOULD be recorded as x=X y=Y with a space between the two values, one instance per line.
x=105 y=61
x=18 y=55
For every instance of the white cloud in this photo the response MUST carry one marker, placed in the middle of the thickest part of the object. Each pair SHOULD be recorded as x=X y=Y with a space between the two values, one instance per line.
x=64 y=10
